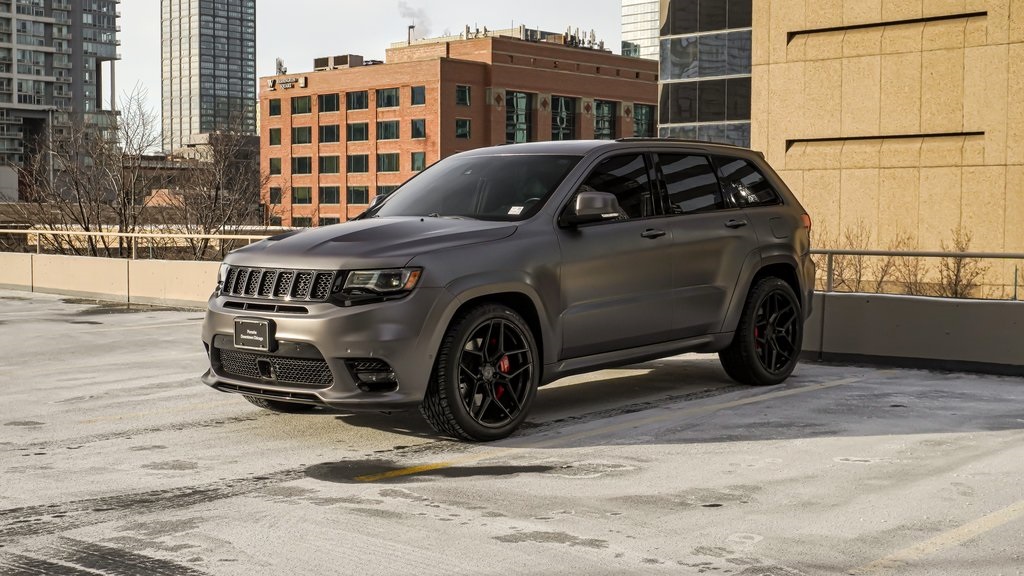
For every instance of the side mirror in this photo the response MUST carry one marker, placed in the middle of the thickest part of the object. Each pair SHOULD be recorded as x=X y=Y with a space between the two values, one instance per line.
x=376 y=202
x=589 y=207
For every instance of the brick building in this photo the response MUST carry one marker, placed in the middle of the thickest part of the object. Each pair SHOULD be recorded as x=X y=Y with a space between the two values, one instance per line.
x=334 y=138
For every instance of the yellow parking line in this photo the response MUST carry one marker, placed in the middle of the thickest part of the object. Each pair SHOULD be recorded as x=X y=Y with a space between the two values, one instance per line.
x=943 y=541
x=671 y=414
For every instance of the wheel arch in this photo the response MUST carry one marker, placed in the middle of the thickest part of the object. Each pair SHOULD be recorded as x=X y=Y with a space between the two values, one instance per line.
x=781 y=267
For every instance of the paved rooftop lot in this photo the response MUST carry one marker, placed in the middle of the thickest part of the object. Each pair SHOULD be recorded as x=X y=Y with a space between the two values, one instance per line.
x=115 y=459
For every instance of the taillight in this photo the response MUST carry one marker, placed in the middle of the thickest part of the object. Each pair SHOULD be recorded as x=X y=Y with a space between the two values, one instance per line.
x=806 y=219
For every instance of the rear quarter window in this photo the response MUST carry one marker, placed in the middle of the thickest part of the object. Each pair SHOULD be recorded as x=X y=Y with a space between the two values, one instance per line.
x=744 y=183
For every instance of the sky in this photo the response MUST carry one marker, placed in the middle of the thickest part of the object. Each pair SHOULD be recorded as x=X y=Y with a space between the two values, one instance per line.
x=298 y=31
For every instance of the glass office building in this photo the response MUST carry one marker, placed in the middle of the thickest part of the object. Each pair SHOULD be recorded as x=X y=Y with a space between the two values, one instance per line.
x=640 y=28
x=209 y=68
x=704 y=80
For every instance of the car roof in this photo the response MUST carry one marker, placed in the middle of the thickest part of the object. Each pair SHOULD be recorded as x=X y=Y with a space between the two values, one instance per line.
x=584 y=147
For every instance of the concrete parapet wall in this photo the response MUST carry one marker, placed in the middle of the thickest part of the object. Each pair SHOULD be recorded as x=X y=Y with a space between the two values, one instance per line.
x=163 y=282
x=16 y=271
x=171 y=282
x=941 y=333
x=105 y=278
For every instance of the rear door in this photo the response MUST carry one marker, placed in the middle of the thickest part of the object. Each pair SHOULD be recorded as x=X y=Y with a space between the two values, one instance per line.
x=711 y=240
x=616 y=286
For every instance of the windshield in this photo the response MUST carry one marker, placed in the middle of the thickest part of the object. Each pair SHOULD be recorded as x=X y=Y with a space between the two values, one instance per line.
x=500 y=187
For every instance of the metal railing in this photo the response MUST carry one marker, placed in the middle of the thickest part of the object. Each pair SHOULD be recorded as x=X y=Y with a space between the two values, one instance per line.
x=831 y=255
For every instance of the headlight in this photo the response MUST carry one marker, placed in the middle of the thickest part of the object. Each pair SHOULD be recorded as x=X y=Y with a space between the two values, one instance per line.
x=222 y=276
x=382 y=282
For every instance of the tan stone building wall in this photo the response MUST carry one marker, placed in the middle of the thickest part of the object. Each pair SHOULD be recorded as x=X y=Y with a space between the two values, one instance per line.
x=901 y=116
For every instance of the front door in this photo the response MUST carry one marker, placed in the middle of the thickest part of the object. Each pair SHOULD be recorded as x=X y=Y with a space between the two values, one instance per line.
x=616 y=283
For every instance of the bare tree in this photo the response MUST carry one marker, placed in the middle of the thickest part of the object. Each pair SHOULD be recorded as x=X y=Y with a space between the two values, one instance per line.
x=90 y=177
x=218 y=191
x=959 y=276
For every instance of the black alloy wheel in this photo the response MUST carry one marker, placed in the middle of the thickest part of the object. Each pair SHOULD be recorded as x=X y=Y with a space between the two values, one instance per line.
x=766 y=346
x=776 y=327
x=486 y=375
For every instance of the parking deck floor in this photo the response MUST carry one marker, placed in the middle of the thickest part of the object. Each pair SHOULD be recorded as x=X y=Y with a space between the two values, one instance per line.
x=116 y=459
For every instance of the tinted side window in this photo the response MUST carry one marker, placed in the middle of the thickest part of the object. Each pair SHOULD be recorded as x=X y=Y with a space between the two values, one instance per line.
x=627 y=178
x=745 y=183
x=690 y=184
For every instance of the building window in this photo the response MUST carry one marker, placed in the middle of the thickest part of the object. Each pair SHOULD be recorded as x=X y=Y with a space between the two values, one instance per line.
x=387 y=130
x=330 y=133
x=387 y=162
x=357 y=100
x=604 y=120
x=419 y=128
x=329 y=165
x=302 y=221
x=358 y=132
x=563 y=118
x=419 y=95
x=275 y=166
x=330 y=194
x=275 y=195
x=358 y=195
x=302 y=135
x=302 y=105
x=706 y=55
x=419 y=161
x=302 y=165
x=643 y=121
x=462 y=128
x=385 y=190
x=518 y=117
x=328 y=103
x=358 y=163
x=275 y=137
x=275 y=107
x=329 y=221
x=684 y=17
x=302 y=195
x=275 y=220
x=387 y=98
x=462 y=95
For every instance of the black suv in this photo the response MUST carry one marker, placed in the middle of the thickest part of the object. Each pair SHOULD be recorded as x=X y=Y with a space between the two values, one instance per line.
x=502 y=269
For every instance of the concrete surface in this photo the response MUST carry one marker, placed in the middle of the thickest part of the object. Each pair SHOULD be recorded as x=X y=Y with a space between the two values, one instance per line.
x=115 y=459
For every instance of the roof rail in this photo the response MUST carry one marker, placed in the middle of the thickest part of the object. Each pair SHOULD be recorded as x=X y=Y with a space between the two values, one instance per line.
x=679 y=140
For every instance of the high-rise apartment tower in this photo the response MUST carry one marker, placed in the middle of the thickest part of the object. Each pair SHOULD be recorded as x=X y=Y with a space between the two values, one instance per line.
x=56 y=64
x=640 y=27
x=208 y=50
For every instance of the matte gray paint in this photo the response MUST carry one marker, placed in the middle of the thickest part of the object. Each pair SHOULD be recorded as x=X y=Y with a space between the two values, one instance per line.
x=618 y=298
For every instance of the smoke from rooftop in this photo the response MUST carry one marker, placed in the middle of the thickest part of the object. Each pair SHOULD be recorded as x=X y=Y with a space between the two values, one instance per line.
x=417 y=16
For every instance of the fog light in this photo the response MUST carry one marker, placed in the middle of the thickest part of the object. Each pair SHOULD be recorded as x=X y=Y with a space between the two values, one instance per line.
x=377 y=377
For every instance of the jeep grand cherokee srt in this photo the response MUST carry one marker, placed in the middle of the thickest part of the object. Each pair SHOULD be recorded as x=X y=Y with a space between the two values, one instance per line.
x=502 y=269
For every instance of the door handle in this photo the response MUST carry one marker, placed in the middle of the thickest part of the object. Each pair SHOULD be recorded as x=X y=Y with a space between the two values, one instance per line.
x=734 y=223
x=653 y=233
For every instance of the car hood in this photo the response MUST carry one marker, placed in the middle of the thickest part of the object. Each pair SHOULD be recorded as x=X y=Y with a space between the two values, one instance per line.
x=371 y=243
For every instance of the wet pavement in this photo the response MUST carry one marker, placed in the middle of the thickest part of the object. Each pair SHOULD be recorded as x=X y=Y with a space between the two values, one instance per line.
x=116 y=459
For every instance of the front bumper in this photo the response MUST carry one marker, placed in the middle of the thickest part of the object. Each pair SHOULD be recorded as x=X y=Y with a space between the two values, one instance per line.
x=403 y=333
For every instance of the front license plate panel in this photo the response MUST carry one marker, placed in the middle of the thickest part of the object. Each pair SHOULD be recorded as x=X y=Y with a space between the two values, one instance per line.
x=254 y=334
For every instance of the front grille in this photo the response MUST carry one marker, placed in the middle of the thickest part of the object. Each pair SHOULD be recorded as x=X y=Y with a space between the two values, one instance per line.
x=274 y=284
x=302 y=371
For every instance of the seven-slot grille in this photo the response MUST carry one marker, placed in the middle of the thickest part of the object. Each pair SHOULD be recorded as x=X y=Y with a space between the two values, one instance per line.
x=275 y=284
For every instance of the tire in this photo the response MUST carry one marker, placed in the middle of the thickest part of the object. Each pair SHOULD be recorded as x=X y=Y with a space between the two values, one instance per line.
x=485 y=377
x=773 y=309
x=278 y=406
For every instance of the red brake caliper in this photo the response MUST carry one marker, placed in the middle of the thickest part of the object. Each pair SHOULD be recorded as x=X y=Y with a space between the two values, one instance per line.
x=503 y=366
